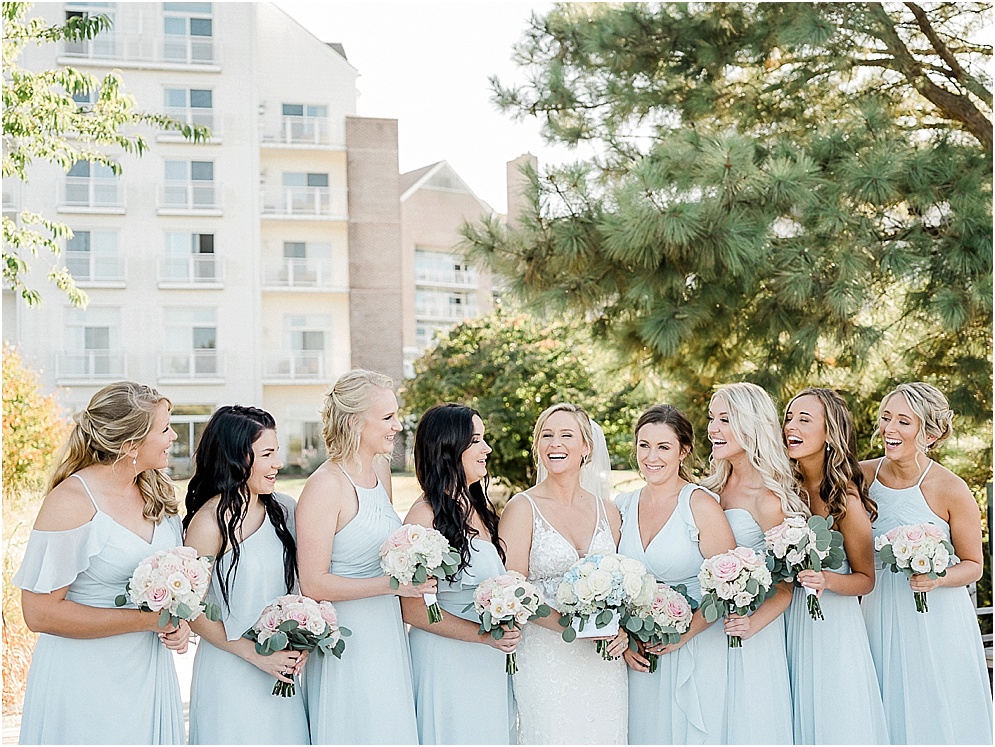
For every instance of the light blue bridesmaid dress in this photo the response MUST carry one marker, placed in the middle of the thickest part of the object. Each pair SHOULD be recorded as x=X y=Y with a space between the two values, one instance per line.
x=462 y=692
x=834 y=688
x=930 y=666
x=365 y=697
x=758 y=692
x=120 y=689
x=682 y=702
x=231 y=701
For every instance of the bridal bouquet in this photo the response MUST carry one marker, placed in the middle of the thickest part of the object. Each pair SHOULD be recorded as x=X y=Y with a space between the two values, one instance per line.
x=799 y=545
x=172 y=583
x=916 y=549
x=664 y=619
x=412 y=554
x=297 y=623
x=506 y=602
x=737 y=582
x=594 y=589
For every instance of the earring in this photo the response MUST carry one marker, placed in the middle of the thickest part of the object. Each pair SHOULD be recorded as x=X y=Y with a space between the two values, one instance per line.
x=583 y=460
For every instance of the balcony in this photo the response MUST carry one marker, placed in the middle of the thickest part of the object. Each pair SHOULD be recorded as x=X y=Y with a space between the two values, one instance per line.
x=190 y=366
x=455 y=278
x=295 y=366
x=303 y=274
x=168 y=50
x=107 y=269
x=191 y=271
x=184 y=197
x=90 y=365
x=91 y=194
x=297 y=130
x=193 y=116
x=305 y=202
x=445 y=312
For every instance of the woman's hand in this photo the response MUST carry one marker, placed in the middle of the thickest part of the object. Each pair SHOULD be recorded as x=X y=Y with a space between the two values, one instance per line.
x=815 y=580
x=507 y=643
x=282 y=665
x=617 y=643
x=636 y=660
x=923 y=583
x=739 y=625
x=176 y=638
x=431 y=586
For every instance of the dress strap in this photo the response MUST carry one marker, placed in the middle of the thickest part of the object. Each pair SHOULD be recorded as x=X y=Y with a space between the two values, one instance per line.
x=923 y=475
x=878 y=468
x=602 y=514
x=87 y=489
x=536 y=513
x=348 y=476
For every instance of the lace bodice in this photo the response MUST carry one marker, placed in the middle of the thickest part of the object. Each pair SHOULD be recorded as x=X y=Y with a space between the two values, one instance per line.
x=552 y=555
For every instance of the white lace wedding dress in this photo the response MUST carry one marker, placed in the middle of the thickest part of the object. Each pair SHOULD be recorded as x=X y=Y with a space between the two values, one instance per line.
x=566 y=692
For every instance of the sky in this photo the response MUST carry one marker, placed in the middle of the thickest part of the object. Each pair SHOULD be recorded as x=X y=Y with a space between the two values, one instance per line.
x=427 y=65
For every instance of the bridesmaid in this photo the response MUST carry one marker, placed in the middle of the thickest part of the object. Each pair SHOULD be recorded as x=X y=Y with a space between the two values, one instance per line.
x=829 y=660
x=234 y=515
x=99 y=674
x=343 y=517
x=931 y=666
x=751 y=473
x=671 y=525
x=478 y=708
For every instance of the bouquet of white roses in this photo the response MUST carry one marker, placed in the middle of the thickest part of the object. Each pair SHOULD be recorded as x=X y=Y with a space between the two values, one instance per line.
x=664 y=619
x=594 y=589
x=172 y=583
x=412 y=554
x=797 y=544
x=916 y=549
x=737 y=581
x=297 y=623
x=506 y=602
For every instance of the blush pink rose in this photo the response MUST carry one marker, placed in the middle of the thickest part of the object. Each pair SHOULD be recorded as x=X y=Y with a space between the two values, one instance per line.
x=157 y=596
x=727 y=567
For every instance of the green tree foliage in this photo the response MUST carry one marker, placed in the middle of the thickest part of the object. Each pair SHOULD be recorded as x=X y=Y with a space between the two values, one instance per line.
x=782 y=192
x=512 y=367
x=41 y=121
x=33 y=428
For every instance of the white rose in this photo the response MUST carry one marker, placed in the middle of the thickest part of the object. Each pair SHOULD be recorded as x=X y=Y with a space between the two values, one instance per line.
x=630 y=565
x=565 y=595
x=794 y=535
x=315 y=625
x=725 y=590
x=941 y=559
x=583 y=590
x=920 y=564
x=742 y=599
x=795 y=557
x=610 y=563
x=178 y=583
x=601 y=583
x=632 y=585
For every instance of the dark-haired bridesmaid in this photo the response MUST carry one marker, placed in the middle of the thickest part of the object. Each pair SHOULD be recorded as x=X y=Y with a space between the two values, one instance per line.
x=462 y=694
x=234 y=515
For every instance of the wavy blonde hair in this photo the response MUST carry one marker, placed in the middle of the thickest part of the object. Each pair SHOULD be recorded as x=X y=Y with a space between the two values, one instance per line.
x=930 y=406
x=583 y=421
x=344 y=411
x=756 y=426
x=118 y=418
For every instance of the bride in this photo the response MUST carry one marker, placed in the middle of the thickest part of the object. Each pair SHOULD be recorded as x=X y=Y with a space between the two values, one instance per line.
x=566 y=692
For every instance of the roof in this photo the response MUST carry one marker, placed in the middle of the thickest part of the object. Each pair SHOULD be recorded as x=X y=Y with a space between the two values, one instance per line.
x=439 y=175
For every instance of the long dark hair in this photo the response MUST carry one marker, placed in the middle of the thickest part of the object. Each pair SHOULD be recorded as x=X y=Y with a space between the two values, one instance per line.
x=222 y=465
x=443 y=434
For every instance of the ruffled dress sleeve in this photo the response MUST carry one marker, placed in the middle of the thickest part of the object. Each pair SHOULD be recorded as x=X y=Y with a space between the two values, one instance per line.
x=684 y=508
x=53 y=560
x=624 y=501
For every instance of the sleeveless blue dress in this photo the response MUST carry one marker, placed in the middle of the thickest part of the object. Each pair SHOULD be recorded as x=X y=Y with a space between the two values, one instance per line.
x=930 y=666
x=120 y=689
x=231 y=701
x=365 y=697
x=834 y=688
x=462 y=693
x=758 y=692
x=683 y=701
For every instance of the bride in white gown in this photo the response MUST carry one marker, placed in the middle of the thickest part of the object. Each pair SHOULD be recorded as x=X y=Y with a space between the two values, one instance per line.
x=566 y=692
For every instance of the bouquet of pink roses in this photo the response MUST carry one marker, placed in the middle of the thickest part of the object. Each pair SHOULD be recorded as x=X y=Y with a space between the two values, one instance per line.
x=172 y=583
x=412 y=554
x=737 y=581
x=507 y=601
x=797 y=544
x=664 y=620
x=916 y=549
x=297 y=623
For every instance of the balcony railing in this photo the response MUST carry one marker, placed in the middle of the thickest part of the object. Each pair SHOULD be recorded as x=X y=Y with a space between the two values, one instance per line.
x=193 y=116
x=300 y=273
x=451 y=312
x=296 y=365
x=189 y=195
x=90 y=364
x=134 y=47
x=92 y=192
x=319 y=202
x=96 y=267
x=467 y=278
x=193 y=269
x=190 y=364
x=301 y=130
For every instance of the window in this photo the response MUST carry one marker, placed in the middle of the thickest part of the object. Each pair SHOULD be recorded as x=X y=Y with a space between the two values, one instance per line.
x=443 y=267
x=445 y=305
x=94 y=256
x=189 y=422
x=189 y=32
x=304 y=123
x=91 y=184
x=189 y=185
x=306 y=333
x=295 y=179
x=191 y=343
x=190 y=258
x=195 y=106
x=93 y=343
x=101 y=45
x=305 y=193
